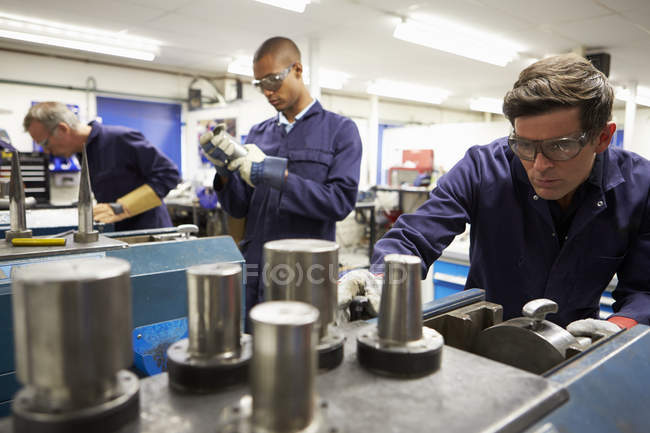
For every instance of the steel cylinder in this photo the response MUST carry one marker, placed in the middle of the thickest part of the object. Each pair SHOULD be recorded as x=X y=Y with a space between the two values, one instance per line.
x=400 y=308
x=214 y=308
x=72 y=329
x=304 y=270
x=284 y=365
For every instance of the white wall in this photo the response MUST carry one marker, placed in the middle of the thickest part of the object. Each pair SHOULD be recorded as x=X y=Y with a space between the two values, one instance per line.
x=449 y=141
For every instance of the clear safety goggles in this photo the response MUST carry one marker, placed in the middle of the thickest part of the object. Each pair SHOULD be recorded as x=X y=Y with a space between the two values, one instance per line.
x=555 y=149
x=273 y=82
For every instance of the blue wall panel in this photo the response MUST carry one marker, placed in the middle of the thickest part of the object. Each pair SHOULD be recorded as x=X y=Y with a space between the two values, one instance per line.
x=159 y=122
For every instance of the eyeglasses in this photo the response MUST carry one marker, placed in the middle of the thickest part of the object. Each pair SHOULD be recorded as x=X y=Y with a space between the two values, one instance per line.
x=273 y=82
x=45 y=143
x=555 y=149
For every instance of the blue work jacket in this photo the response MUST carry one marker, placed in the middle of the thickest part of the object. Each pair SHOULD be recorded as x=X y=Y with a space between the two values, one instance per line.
x=514 y=251
x=122 y=159
x=324 y=155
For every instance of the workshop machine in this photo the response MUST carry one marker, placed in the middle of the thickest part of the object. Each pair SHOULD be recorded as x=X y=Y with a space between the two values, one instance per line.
x=158 y=259
x=416 y=368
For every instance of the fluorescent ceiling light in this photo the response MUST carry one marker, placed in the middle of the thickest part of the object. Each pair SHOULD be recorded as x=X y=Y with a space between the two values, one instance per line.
x=457 y=39
x=329 y=78
x=642 y=95
x=488 y=105
x=413 y=92
x=292 y=5
x=242 y=65
x=78 y=38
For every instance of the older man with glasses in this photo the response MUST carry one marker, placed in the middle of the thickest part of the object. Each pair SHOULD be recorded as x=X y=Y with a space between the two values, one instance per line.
x=301 y=170
x=128 y=174
x=554 y=212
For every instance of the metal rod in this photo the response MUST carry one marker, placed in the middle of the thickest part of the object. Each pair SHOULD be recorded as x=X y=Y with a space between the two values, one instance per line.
x=400 y=310
x=214 y=308
x=284 y=364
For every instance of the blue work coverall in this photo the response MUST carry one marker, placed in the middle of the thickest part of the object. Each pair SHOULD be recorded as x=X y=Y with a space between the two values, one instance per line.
x=122 y=159
x=324 y=156
x=515 y=253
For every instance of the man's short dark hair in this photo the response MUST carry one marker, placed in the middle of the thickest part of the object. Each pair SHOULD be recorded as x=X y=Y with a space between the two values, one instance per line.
x=279 y=47
x=563 y=81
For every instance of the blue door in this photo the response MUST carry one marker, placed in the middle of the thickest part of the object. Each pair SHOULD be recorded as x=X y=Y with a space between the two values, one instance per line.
x=159 y=122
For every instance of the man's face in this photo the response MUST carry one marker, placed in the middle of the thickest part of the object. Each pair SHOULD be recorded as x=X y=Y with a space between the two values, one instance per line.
x=288 y=94
x=56 y=141
x=558 y=180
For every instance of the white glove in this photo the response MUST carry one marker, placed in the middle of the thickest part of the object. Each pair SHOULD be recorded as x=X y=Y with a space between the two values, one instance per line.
x=592 y=328
x=359 y=282
x=245 y=163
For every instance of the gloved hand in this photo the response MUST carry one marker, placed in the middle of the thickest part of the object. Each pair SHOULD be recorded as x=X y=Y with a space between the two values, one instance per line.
x=136 y=202
x=109 y=212
x=221 y=149
x=592 y=328
x=255 y=167
x=359 y=282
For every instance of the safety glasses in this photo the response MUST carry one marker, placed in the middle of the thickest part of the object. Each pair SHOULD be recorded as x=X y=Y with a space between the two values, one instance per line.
x=45 y=143
x=555 y=149
x=273 y=82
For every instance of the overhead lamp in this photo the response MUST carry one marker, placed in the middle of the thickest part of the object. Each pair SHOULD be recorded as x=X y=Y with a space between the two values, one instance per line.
x=329 y=79
x=642 y=95
x=412 y=92
x=292 y=5
x=458 y=39
x=242 y=65
x=486 y=105
x=78 y=38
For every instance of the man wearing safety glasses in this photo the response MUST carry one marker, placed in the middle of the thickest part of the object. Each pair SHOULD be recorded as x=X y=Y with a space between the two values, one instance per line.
x=554 y=212
x=300 y=169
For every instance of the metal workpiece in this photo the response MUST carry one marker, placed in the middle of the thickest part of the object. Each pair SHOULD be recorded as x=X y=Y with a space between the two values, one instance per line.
x=72 y=336
x=283 y=372
x=400 y=345
x=530 y=342
x=86 y=233
x=216 y=354
x=460 y=327
x=306 y=270
x=17 y=219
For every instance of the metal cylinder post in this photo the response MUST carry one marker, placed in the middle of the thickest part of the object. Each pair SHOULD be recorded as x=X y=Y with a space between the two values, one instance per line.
x=72 y=333
x=284 y=365
x=214 y=308
x=17 y=217
x=303 y=270
x=215 y=354
x=85 y=234
x=400 y=308
x=399 y=345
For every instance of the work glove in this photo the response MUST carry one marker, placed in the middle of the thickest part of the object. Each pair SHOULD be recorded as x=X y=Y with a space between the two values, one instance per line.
x=359 y=282
x=134 y=203
x=592 y=328
x=221 y=148
x=255 y=167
